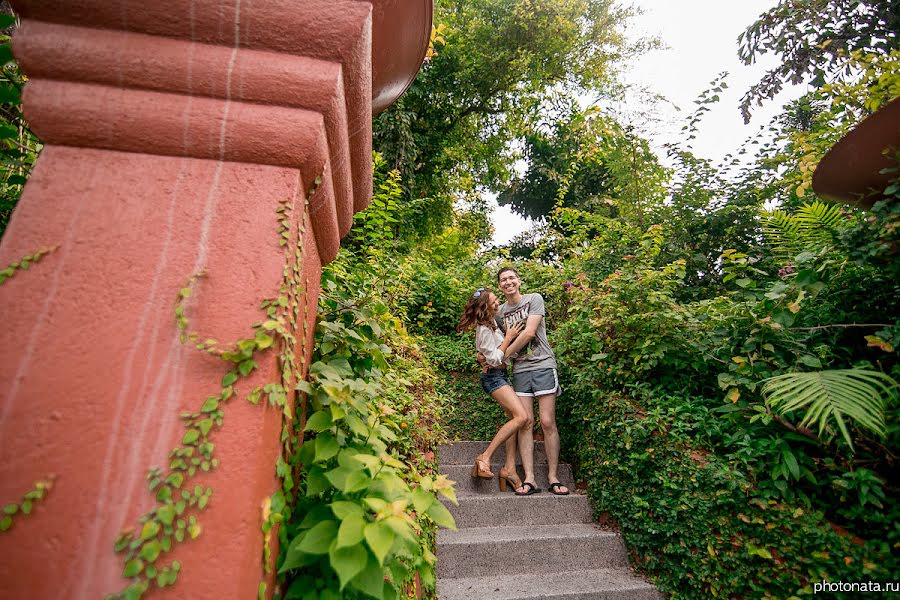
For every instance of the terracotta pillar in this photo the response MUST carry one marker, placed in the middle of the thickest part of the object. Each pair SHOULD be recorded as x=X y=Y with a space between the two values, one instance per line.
x=174 y=131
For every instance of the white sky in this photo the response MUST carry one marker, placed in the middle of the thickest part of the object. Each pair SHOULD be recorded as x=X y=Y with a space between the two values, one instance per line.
x=701 y=40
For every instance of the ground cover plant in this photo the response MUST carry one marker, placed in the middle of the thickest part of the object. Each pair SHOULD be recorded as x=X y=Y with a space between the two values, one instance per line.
x=728 y=341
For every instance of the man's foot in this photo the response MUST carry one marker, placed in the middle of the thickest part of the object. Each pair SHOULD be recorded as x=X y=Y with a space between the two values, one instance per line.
x=558 y=489
x=527 y=489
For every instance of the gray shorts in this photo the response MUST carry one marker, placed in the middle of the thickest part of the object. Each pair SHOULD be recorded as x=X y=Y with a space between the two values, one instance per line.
x=540 y=382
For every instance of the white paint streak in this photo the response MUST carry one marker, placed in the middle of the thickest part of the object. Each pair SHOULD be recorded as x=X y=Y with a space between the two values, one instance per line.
x=157 y=403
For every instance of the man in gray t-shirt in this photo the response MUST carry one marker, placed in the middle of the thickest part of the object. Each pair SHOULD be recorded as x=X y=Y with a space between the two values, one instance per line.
x=534 y=376
x=536 y=354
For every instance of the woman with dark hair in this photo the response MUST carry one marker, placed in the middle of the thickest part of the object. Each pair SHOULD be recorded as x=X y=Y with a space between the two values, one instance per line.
x=480 y=313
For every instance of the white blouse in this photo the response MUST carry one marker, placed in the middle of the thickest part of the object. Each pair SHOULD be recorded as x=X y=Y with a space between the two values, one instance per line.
x=487 y=341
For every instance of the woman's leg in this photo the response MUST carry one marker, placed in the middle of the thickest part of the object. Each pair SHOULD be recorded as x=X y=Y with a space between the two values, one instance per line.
x=509 y=466
x=510 y=403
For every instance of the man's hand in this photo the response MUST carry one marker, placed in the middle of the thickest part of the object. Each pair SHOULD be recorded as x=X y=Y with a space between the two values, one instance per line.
x=482 y=361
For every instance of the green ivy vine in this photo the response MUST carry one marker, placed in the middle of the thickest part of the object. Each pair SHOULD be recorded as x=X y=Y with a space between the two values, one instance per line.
x=41 y=488
x=175 y=517
x=23 y=263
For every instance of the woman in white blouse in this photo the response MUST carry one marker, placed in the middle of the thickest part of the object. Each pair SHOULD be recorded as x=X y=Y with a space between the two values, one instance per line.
x=480 y=313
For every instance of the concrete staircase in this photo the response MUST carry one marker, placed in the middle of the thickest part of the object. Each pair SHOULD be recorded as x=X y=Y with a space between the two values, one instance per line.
x=540 y=546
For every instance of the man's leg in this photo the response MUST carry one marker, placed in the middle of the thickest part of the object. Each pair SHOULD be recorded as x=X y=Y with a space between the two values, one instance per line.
x=547 y=411
x=526 y=440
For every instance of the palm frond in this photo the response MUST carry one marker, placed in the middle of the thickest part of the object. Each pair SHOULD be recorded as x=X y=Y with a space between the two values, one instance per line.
x=833 y=397
x=810 y=228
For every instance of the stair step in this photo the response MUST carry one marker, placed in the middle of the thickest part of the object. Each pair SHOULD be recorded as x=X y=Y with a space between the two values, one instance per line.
x=482 y=551
x=487 y=510
x=462 y=475
x=463 y=453
x=591 y=584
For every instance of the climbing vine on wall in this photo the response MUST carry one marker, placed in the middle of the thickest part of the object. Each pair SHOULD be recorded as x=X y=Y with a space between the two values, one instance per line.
x=41 y=488
x=366 y=507
x=175 y=517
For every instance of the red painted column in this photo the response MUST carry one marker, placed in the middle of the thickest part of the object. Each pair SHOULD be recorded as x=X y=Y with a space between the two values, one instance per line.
x=173 y=132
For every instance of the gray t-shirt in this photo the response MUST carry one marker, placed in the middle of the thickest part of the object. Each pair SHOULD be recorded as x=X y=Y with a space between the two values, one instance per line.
x=537 y=354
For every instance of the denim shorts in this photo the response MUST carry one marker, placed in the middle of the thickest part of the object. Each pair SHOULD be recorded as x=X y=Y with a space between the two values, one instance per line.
x=493 y=380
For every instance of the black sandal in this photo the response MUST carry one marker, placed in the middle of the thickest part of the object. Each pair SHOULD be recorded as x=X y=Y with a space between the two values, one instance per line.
x=530 y=489
x=554 y=489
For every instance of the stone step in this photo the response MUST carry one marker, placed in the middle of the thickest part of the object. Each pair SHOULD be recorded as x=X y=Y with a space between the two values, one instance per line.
x=462 y=475
x=464 y=453
x=500 y=510
x=490 y=551
x=593 y=584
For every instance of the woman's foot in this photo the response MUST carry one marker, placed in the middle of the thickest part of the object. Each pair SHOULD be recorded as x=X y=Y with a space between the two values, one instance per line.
x=482 y=469
x=509 y=476
x=558 y=489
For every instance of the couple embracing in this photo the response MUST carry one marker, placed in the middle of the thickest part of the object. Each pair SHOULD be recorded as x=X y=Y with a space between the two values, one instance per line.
x=514 y=333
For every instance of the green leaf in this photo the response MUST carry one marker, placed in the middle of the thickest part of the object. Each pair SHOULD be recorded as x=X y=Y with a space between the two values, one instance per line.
x=247 y=366
x=326 y=447
x=11 y=509
x=338 y=477
x=371 y=580
x=316 y=482
x=422 y=500
x=5 y=53
x=263 y=340
x=9 y=94
x=351 y=531
x=150 y=529
x=342 y=509
x=190 y=436
x=441 y=516
x=205 y=425
x=319 y=421
x=150 y=551
x=229 y=379
x=6 y=20
x=356 y=425
x=133 y=567
x=380 y=538
x=809 y=361
x=828 y=397
x=211 y=404
x=318 y=540
x=347 y=562
x=791 y=462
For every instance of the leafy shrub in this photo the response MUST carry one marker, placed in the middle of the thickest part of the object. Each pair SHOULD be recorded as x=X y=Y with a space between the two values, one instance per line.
x=365 y=513
x=469 y=413
x=691 y=520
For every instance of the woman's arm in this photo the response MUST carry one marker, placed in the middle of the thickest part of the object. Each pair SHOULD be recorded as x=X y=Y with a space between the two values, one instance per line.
x=531 y=327
x=486 y=344
x=513 y=333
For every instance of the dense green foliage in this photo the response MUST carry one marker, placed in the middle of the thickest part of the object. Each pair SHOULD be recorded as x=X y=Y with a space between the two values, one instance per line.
x=499 y=68
x=363 y=520
x=728 y=343
x=812 y=36
x=691 y=519
x=19 y=147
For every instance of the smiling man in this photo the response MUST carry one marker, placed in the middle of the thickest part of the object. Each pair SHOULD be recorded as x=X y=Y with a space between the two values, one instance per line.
x=534 y=376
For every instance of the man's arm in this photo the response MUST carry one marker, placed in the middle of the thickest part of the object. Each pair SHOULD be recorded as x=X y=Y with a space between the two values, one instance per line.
x=531 y=327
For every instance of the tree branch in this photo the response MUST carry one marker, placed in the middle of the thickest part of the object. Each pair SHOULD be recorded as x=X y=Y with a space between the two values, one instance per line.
x=843 y=325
